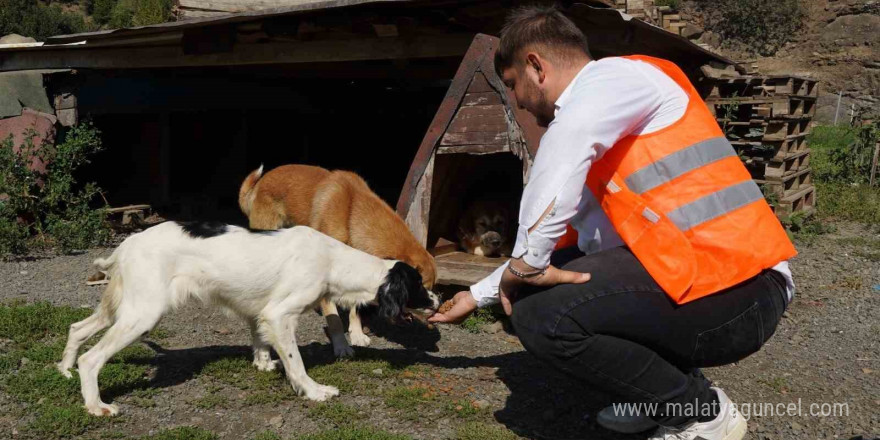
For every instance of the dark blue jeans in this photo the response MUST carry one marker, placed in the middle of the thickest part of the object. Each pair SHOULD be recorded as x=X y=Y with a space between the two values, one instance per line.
x=621 y=333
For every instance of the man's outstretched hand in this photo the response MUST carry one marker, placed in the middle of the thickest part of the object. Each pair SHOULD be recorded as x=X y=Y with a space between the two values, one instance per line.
x=463 y=304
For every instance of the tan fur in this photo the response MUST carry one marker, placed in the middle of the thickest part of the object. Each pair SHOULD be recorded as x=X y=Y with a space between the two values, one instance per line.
x=484 y=220
x=337 y=203
x=111 y=297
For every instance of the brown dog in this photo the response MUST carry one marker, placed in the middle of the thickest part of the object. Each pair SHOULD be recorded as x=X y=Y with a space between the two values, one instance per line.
x=485 y=229
x=341 y=205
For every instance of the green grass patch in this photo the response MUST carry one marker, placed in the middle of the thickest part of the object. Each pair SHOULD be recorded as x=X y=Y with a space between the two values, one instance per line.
x=842 y=201
x=267 y=435
x=212 y=401
x=38 y=333
x=859 y=242
x=266 y=386
x=407 y=397
x=336 y=413
x=840 y=160
x=356 y=374
x=263 y=399
x=182 y=433
x=354 y=434
x=160 y=334
x=483 y=431
x=777 y=384
x=25 y=323
x=867 y=248
x=481 y=317
x=462 y=409
x=63 y=421
x=868 y=255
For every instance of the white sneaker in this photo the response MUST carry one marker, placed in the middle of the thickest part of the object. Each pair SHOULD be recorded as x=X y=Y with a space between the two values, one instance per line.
x=625 y=419
x=729 y=425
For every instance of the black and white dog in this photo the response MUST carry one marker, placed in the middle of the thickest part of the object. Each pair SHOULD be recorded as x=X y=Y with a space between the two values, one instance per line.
x=267 y=278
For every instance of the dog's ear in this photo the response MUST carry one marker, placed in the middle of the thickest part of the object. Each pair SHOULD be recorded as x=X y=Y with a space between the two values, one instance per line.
x=395 y=292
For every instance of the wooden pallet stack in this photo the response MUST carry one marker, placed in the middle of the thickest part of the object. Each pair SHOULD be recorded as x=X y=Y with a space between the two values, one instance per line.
x=767 y=119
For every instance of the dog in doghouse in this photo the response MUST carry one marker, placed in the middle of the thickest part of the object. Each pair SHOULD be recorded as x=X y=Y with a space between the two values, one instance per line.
x=340 y=204
x=485 y=228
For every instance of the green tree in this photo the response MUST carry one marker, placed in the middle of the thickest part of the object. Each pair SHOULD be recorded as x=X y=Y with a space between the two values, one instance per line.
x=32 y=18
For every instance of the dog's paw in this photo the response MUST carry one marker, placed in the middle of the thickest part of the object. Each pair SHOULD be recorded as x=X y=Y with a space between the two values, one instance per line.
x=266 y=365
x=64 y=372
x=342 y=350
x=103 y=410
x=360 y=340
x=320 y=393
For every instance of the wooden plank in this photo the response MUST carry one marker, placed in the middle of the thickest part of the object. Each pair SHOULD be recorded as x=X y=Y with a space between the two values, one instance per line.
x=804 y=200
x=777 y=170
x=473 y=149
x=474 y=111
x=464 y=269
x=127 y=208
x=479 y=84
x=483 y=118
x=788 y=185
x=461 y=277
x=241 y=54
x=475 y=138
x=874 y=162
x=444 y=249
x=417 y=217
x=480 y=46
x=465 y=259
x=186 y=14
x=481 y=98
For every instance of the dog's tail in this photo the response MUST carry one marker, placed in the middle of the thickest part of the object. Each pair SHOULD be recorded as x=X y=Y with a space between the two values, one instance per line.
x=105 y=264
x=246 y=192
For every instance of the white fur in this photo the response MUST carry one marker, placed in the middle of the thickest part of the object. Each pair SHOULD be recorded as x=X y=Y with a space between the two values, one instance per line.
x=266 y=279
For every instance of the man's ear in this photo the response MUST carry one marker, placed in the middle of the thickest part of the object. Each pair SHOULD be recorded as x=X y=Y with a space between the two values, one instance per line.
x=535 y=61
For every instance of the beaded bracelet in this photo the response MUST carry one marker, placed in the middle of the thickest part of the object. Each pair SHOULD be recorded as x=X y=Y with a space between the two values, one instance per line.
x=523 y=274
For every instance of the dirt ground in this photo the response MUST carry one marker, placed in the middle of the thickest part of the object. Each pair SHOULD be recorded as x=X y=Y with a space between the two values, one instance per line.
x=826 y=351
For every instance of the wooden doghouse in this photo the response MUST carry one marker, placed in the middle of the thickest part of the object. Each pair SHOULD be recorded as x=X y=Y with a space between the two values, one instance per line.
x=478 y=142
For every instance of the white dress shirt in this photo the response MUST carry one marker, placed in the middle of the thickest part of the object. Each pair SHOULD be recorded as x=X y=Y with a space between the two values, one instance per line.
x=608 y=99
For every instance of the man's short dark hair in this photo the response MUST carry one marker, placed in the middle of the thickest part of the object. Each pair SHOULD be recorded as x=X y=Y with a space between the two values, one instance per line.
x=544 y=27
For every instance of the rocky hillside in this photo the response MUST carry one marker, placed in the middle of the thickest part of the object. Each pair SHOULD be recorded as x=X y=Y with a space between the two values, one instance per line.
x=838 y=43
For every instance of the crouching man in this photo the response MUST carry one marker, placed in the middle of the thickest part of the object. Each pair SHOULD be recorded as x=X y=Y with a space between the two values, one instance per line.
x=685 y=265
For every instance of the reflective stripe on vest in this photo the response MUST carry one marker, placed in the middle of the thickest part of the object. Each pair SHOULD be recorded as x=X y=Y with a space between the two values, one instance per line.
x=715 y=205
x=678 y=163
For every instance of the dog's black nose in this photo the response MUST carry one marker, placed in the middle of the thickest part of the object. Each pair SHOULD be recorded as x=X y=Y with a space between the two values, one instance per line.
x=495 y=241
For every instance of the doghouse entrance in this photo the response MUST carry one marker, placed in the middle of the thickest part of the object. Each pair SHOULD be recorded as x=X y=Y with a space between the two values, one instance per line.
x=465 y=182
x=479 y=146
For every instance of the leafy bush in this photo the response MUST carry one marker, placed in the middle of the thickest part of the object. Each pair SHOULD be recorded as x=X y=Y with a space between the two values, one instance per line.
x=101 y=10
x=128 y=13
x=843 y=153
x=50 y=204
x=841 y=162
x=34 y=19
x=763 y=26
x=858 y=203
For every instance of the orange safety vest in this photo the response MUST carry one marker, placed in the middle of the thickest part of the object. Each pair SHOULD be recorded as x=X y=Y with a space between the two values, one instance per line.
x=683 y=202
